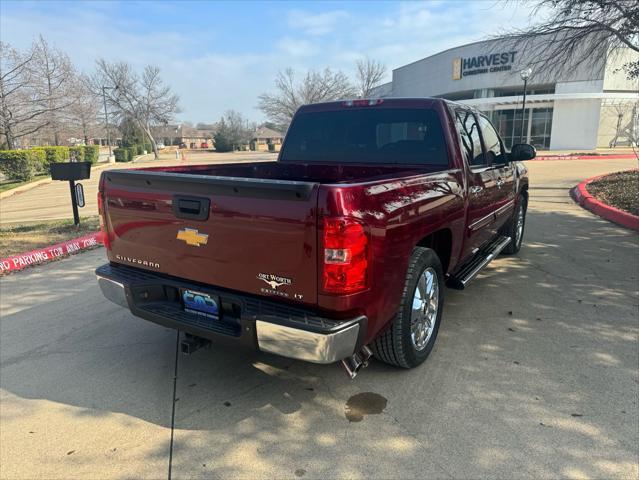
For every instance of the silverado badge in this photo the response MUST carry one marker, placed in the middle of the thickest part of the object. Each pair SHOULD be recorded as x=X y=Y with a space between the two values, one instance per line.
x=192 y=237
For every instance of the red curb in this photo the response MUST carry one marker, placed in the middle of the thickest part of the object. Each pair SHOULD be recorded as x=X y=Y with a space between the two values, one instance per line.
x=585 y=157
x=48 y=254
x=580 y=195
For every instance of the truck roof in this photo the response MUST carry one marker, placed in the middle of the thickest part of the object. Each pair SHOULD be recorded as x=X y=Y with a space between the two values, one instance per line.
x=425 y=102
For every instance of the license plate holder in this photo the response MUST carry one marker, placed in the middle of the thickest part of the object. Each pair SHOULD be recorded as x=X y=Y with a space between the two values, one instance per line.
x=200 y=303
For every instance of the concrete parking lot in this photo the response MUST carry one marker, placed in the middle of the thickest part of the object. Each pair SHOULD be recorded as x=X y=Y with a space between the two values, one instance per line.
x=535 y=374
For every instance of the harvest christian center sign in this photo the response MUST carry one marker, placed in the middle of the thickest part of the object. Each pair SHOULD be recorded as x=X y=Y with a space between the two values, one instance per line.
x=495 y=62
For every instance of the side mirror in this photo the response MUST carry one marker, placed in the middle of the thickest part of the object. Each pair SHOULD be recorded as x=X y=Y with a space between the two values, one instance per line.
x=522 y=151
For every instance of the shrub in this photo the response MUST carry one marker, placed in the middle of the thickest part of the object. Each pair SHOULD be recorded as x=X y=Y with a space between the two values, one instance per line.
x=56 y=154
x=39 y=159
x=53 y=155
x=139 y=149
x=21 y=165
x=91 y=153
x=121 y=154
x=148 y=147
x=77 y=153
x=132 y=152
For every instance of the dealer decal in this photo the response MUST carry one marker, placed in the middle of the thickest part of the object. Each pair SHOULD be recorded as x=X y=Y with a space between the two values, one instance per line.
x=274 y=282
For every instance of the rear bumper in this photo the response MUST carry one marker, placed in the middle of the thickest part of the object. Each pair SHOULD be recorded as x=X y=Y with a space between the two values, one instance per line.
x=248 y=321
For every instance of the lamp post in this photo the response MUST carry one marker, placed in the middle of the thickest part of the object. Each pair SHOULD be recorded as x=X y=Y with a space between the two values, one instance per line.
x=525 y=75
x=106 y=118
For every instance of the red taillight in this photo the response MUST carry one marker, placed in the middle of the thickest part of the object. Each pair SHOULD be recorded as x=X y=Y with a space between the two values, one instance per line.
x=103 y=230
x=363 y=102
x=345 y=266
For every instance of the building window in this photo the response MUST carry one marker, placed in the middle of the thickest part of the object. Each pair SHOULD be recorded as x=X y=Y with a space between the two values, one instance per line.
x=537 y=124
x=508 y=124
x=540 y=125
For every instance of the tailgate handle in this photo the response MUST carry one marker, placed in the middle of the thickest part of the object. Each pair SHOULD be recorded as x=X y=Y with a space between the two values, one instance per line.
x=191 y=208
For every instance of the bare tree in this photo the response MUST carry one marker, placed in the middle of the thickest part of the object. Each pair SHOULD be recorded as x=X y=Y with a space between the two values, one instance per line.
x=369 y=75
x=22 y=107
x=579 y=32
x=53 y=76
x=627 y=117
x=143 y=98
x=314 y=87
x=84 y=113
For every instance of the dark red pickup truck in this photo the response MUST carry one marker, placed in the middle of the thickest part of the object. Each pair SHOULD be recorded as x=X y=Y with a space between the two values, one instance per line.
x=345 y=243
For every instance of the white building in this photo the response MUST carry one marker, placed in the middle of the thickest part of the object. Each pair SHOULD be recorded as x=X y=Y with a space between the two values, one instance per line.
x=582 y=107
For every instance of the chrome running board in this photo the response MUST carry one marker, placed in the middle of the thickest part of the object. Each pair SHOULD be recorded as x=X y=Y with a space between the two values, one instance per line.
x=470 y=270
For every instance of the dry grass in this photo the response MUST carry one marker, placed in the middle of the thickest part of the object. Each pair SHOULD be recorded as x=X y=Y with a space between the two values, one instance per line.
x=17 y=239
x=620 y=190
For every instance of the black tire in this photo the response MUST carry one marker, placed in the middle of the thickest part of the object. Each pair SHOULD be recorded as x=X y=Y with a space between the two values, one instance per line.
x=510 y=229
x=395 y=346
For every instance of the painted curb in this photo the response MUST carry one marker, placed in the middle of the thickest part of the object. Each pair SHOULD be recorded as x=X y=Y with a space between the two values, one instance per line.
x=580 y=195
x=49 y=254
x=624 y=156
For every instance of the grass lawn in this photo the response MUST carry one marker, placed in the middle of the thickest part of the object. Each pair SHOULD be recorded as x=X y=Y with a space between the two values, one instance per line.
x=23 y=238
x=9 y=184
x=620 y=190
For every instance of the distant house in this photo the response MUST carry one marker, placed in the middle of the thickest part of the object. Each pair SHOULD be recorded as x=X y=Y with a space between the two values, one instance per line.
x=191 y=137
x=264 y=137
x=194 y=137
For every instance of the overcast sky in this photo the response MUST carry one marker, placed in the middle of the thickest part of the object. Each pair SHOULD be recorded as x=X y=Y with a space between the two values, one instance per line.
x=222 y=55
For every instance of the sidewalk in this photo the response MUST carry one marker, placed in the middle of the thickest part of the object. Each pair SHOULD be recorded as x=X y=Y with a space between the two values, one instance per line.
x=596 y=151
x=52 y=200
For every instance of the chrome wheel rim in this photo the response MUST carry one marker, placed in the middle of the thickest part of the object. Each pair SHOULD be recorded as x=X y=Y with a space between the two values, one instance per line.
x=424 y=312
x=520 y=225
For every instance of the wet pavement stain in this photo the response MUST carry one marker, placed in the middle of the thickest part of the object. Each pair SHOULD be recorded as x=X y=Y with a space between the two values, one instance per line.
x=300 y=472
x=362 y=404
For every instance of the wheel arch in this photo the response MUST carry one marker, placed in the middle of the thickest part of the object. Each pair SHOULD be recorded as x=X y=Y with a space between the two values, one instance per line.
x=441 y=242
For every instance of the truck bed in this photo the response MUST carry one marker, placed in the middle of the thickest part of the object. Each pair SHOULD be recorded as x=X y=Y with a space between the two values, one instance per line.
x=328 y=173
x=231 y=225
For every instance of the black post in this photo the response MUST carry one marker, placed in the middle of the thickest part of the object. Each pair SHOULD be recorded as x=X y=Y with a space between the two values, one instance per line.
x=74 y=203
x=523 y=112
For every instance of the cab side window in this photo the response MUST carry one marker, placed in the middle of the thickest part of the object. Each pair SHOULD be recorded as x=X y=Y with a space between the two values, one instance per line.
x=494 y=149
x=471 y=143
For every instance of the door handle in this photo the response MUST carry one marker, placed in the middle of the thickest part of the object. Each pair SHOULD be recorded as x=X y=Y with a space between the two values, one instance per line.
x=476 y=189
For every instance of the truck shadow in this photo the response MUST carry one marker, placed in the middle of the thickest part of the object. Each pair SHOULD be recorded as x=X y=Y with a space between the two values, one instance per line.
x=534 y=372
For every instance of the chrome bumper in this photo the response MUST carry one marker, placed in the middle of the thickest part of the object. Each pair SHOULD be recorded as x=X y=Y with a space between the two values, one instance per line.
x=287 y=341
x=304 y=345
x=113 y=291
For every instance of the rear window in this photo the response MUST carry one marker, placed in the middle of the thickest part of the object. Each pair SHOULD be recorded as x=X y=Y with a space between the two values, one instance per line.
x=375 y=135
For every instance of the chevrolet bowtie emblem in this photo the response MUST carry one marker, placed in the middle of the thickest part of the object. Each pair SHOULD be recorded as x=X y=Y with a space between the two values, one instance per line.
x=192 y=237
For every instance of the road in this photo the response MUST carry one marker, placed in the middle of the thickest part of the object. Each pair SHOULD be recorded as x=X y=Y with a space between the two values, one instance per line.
x=53 y=200
x=534 y=374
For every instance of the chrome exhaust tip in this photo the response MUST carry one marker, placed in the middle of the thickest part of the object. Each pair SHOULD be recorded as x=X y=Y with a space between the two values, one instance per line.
x=353 y=364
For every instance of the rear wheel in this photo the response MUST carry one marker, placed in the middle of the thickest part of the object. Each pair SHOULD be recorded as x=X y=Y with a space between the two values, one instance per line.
x=515 y=227
x=411 y=336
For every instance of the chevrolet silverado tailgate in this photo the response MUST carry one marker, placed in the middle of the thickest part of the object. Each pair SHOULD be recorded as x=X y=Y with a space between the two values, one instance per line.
x=250 y=235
